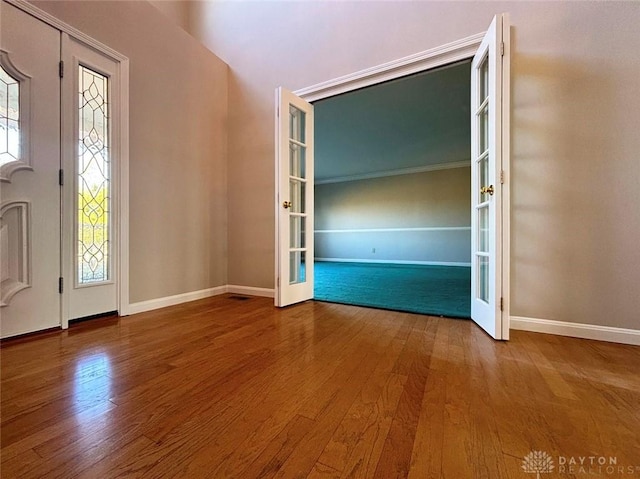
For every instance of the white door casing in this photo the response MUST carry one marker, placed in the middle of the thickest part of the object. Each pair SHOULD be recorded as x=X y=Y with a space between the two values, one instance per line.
x=101 y=147
x=294 y=199
x=29 y=196
x=489 y=182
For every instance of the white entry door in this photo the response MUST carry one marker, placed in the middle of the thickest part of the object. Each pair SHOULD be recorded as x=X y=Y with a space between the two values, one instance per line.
x=294 y=199
x=30 y=162
x=91 y=116
x=489 y=190
x=60 y=118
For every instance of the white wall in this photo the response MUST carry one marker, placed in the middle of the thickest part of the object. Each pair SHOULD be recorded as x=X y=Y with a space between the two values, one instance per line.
x=178 y=136
x=423 y=217
x=575 y=111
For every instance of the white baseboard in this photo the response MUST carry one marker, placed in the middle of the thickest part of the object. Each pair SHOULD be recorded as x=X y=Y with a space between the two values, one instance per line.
x=577 y=330
x=158 y=303
x=250 y=290
x=394 y=261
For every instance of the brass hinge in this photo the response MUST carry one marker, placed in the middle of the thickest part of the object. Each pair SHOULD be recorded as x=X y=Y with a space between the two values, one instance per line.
x=61 y=69
x=278 y=282
x=501 y=176
x=501 y=304
x=61 y=177
x=501 y=49
x=60 y=285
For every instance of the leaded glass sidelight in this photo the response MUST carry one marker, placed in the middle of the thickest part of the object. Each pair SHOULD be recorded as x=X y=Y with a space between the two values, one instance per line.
x=93 y=178
x=9 y=118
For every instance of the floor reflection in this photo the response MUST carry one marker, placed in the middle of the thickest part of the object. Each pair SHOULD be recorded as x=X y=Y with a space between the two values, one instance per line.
x=92 y=381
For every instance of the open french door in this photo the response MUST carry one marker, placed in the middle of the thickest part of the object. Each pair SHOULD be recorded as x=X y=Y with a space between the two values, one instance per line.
x=294 y=199
x=489 y=187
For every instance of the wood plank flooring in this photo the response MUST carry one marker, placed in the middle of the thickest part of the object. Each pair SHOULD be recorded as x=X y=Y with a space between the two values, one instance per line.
x=228 y=388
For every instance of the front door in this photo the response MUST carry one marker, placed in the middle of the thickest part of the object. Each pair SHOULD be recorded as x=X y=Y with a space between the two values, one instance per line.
x=30 y=162
x=489 y=161
x=294 y=199
x=60 y=113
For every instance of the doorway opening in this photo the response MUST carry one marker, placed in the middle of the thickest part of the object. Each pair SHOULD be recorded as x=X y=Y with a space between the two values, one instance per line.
x=392 y=195
x=490 y=191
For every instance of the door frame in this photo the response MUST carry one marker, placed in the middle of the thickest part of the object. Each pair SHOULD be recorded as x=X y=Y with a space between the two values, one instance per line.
x=122 y=256
x=459 y=50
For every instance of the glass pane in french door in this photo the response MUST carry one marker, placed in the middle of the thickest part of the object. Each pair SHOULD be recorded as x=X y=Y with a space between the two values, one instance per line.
x=296 y=124
x=484 y=79
x=297 y=195
x=483 y=229
x=297 y=162
x=296 y=231
x=297 y=270
x=483 y=277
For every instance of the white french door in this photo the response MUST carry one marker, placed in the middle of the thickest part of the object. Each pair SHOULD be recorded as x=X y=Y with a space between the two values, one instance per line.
x=489 y=190
x=294 y=199
x=29 y=165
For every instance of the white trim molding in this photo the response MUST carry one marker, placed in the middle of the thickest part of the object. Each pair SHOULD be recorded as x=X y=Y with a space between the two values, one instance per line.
x=456 y=51
x=577 y=330
x=251 y=291
x=393 y=261
x=397 y=172
x=398 y=230
x=158 y=303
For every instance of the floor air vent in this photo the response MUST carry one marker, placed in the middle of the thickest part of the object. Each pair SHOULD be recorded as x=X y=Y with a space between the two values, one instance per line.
x=239 y=298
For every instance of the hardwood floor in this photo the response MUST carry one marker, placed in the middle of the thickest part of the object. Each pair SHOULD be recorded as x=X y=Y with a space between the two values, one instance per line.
x=229 y=388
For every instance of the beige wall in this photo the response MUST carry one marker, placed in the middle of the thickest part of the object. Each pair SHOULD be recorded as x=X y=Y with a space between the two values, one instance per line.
x=575 y=115
x=178 y=106
x=403 y=203
x=177 y=10
x=428 y=199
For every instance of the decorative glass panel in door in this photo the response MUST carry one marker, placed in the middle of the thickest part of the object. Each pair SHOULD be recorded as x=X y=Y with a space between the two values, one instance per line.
x=15 y=107
x=294 y=205
x=9 y=118
x=93 y=178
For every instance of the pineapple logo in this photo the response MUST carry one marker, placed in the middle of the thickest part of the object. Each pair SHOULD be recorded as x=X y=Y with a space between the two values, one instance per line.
x=538 y=462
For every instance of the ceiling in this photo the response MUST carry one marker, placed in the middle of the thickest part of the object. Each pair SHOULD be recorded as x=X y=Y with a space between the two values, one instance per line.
x=412 y=122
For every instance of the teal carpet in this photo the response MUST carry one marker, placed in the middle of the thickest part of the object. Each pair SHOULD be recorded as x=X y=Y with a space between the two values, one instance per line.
x=433 y=290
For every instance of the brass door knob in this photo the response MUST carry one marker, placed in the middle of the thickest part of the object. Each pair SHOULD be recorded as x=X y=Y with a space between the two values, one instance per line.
x=286 y=204
x=487 y=189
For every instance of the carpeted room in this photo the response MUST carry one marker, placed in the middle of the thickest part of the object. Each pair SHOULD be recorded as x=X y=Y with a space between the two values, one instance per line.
x=392 y=195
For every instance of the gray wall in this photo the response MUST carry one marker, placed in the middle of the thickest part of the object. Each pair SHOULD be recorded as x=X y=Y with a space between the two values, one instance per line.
x=178 y=137
x=422 y=217
x=575 y=114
